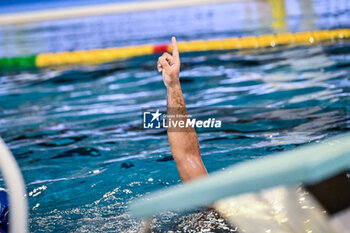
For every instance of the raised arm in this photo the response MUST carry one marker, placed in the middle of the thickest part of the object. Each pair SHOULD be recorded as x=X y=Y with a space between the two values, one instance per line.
x=183 y=141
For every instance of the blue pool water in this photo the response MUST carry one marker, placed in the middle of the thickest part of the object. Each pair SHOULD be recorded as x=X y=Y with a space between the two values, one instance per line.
x=76 y=132
x=275 y=101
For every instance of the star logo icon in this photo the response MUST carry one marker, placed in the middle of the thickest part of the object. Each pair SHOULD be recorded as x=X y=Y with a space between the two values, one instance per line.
x=152 y=119
x=156 y=115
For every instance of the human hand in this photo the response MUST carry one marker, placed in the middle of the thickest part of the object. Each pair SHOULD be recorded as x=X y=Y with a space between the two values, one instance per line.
x=169 y=65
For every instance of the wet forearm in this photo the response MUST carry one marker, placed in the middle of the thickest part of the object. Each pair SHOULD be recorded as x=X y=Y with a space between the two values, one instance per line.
x=182 y=138
x=175 y=97
x=183 y=141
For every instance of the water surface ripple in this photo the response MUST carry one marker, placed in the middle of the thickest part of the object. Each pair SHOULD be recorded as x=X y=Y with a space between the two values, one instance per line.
x=77 y=134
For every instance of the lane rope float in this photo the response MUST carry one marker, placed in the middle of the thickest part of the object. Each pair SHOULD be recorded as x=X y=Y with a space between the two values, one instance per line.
x=100 y=56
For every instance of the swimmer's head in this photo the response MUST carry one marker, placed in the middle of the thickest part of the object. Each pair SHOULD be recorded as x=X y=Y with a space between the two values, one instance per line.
x=4 y=211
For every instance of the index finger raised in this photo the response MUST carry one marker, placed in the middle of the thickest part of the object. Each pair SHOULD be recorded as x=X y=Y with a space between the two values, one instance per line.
x=176 y=55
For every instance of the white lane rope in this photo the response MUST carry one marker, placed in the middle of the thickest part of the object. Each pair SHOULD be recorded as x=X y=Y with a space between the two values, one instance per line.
x=99 y=9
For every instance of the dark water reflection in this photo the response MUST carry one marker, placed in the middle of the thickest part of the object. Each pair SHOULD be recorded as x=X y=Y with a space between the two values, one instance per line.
x=77 y=133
